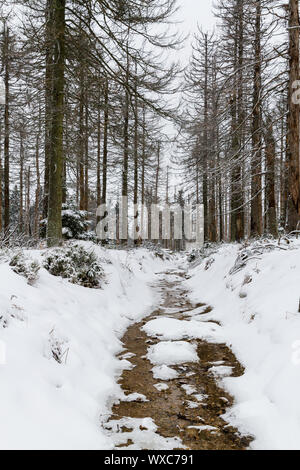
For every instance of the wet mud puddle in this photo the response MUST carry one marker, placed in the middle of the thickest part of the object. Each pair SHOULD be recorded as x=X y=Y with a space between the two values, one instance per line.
x=174 y=406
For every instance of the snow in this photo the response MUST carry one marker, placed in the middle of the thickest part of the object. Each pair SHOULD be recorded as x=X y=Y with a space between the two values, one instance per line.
x=164 y=373
x=189 y=390
x=221 y=371
x=127 y=355
x=192 y=404
x=203 y=428
x=50 y=405
x=161 y=387
x=195 y=311
x=61 y=352
x=256 y=302
x=135 y=397
x=142 y=432
x=172 y=353
x=173 y=329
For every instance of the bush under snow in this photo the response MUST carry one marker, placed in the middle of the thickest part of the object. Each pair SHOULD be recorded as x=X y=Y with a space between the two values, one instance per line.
x=79 y=265
x=75 y=224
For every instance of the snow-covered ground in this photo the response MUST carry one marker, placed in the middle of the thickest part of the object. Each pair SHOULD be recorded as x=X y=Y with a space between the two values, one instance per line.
x=50 y=405
x=256 y=301
x=254 y=293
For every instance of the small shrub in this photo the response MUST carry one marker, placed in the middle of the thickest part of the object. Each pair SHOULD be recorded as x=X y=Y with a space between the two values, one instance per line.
x=192 y=256
x=76 y=264
x=75 y=224
x=3 y=321
x=57 y=347
x=209 y=263
x=25 y=267
x=88 y=237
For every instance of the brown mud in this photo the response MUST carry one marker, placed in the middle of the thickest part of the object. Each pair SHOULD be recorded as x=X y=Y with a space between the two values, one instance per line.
x=175 y=412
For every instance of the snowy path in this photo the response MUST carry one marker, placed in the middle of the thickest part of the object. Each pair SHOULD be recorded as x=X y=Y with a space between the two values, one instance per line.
x=172 y=398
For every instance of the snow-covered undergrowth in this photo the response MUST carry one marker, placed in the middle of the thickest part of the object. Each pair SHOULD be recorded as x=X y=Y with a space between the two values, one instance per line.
x=61 y=339
x=254 y=292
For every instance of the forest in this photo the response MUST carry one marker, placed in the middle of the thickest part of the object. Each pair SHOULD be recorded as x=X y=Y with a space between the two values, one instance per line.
x=149 y=227
x=87 y=99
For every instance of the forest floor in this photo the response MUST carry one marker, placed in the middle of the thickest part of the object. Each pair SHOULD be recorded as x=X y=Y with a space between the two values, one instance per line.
x=172 y=392
x=196 y=350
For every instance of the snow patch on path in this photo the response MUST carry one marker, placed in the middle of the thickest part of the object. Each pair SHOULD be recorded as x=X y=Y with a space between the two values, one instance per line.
x=142 y=432
x=172 y=353
x=164 y=372
x=172 y=329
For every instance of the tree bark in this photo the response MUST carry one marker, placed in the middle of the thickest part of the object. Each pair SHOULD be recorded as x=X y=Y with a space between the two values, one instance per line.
x=136 y=168
x=99 y=158
x=293 y=153
x=124 y=218
x=1 y=178
x=54 y=233
x=237 y=210
x=21 y=176
x=270 y=180
x=205 y=144
x=256 y=163
x=105 y=143
x=6 y=129
x=48 y=103
x=38 y=183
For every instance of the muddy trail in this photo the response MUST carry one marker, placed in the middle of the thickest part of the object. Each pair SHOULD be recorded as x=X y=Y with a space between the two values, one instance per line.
x=187 y=411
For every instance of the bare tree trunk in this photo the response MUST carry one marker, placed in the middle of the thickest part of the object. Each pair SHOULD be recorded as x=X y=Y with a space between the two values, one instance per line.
x=157 y=174
x=86 y=162
x=38 y=184
x=256 y=165
x=205 y=145
x=237 y=215
x=54 y=234
x=1 y=177
x=105 y=144
x=28 y=178
x=124 y=235
x=99 y=158
x=213 y=232
x=270 y=179
x=136 y=168
x=21 y=213
x=282 y=171
x=143 y=171
x=6 y=128
x=81 y=159
x=66 y=152
x=48 y=102
x=293 y=153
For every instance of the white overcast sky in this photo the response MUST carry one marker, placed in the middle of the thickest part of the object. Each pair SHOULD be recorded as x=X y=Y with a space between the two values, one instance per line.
x=190 y=14
x=197 y=11
x=193 y=12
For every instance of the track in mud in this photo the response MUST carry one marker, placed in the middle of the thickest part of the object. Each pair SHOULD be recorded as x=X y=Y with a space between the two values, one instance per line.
x=181 y=418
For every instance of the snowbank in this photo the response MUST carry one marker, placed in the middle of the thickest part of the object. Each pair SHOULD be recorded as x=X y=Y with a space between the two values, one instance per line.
x=48 y=405
x=257 y=305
